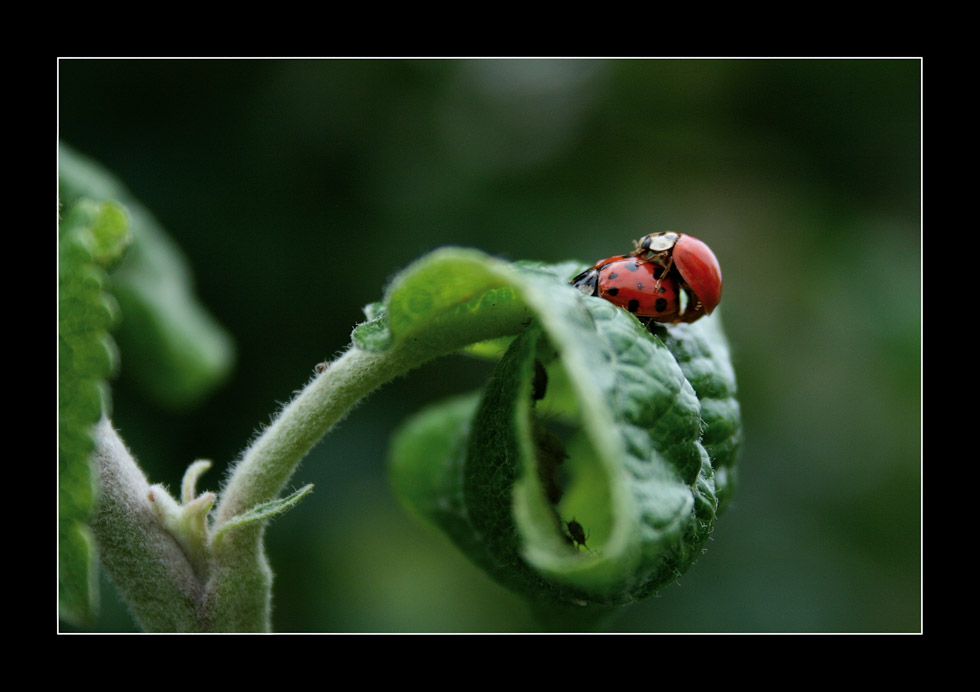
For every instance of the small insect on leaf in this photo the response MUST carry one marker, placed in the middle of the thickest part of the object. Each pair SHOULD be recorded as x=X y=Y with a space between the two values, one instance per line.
x=577 y=534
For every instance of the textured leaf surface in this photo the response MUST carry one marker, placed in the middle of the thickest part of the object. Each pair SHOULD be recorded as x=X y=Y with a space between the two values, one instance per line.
x=590 y=428
x=92 y=235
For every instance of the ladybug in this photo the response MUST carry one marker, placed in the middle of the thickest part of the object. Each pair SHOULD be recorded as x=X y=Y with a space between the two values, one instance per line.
x=691 y=262
x=643 y=288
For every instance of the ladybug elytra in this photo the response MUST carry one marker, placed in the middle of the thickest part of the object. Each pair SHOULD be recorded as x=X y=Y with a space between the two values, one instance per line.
x=641 y=287
x=690 y=261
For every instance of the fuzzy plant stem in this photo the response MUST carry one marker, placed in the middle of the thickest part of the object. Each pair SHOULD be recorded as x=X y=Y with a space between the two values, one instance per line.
x=149 y=566
x=232 y=591
x=268 y=463
x=142 y=558
x=239 y=589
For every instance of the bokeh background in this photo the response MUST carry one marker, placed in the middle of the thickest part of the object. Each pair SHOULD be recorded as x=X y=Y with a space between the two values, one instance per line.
x=298 y=188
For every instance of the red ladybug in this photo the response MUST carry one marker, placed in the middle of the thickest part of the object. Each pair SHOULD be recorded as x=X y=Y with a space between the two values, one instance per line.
x=644 y=288
x=691 y=262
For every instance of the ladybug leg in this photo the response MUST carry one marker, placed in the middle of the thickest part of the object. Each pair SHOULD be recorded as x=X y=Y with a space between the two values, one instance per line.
x=667 y=267
x=657 y=328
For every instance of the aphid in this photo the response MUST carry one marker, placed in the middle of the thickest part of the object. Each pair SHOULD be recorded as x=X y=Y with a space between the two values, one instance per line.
x=577 y=534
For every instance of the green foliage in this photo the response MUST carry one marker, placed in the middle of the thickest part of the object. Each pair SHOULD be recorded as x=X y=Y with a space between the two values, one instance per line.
x=589 y=472
x=92 y=236
x=300 y=197
x=635 y=458
x=180 y=353
x=116 y=267
x=263 y=512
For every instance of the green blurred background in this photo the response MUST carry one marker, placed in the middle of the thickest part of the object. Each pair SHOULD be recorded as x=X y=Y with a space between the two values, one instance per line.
x=298 y=188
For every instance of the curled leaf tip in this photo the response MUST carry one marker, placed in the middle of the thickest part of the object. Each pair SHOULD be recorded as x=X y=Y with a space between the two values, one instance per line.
x=587 y=471
x=188 y=486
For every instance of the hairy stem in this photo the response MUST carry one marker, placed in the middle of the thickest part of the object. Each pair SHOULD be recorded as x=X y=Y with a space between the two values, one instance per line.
x=270 y=461
x=146 y=563
x=239 y=589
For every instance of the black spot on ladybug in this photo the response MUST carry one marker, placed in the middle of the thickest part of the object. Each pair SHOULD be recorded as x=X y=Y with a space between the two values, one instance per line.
x=632 y=266
x=639 y=286
x=661 y=304
x=612 y=291
x=612 y=276
x=633 y=305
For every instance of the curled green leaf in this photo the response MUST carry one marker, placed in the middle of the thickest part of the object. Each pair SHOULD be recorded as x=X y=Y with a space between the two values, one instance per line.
x=590 y=470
